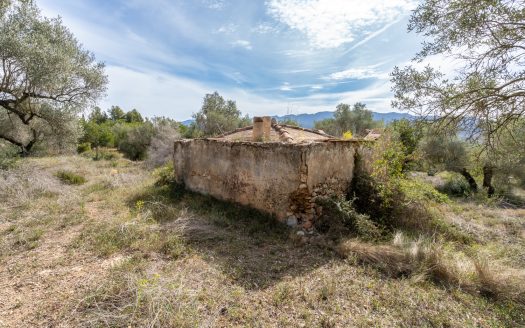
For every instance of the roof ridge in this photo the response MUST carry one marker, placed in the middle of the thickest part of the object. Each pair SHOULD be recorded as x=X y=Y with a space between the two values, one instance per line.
x=283 y=134
x=249 y=127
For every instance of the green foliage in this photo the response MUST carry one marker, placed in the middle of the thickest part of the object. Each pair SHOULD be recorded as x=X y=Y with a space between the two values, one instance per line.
x=8 y=156
x=485 y=91
x=97 y=116
x=444 y=151
x=409 y=133
x=48 y=77
x=454 y=185
x=116 y=113
x=97 y=135
x=165 y=175
x=357 y=120
x=70 y=178
x=83 y=147
x=133 y=139
x=133 y=116
x=217 y=116
x=339 y=219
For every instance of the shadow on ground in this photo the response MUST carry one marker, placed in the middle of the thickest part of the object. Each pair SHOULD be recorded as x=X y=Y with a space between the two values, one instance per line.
x=253 y=249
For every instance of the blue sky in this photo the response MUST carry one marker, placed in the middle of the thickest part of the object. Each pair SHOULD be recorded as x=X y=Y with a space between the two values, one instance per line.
x=273 y=57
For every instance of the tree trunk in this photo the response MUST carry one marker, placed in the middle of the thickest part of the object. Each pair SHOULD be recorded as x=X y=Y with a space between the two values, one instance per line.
x=488 y=173
x=471 y=182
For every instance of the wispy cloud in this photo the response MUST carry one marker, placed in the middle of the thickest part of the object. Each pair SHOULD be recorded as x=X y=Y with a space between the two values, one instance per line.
x=242 y=44
x=359 y=73
x=214 y=4
x=331 y=23
x=285 y=87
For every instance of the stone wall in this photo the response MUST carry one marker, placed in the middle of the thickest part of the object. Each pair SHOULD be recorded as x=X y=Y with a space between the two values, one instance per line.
x=282 y=179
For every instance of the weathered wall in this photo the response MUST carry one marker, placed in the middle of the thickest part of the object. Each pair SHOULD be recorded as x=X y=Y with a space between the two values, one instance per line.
x=261 y=175
x=279 y=178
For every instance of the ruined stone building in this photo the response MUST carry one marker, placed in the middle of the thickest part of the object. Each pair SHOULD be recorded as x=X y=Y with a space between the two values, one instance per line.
x=278 y=169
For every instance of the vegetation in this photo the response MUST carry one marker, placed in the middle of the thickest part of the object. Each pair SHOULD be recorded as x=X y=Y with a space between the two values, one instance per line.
x=484 y=96
x=356 y=120
x=47 y=78
x=431 y=228
x=70 y=177
x=217 y=116
x=130 y=251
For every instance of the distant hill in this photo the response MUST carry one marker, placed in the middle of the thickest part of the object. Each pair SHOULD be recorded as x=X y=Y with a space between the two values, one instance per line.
x=308 y=120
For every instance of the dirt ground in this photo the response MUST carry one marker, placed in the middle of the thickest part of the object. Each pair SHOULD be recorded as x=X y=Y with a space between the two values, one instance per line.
x=114 y=252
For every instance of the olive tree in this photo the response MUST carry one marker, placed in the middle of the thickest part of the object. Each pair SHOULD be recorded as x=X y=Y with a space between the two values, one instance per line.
x=356 y=119
x=45 y=74
x=486 y=91
x=217 y=116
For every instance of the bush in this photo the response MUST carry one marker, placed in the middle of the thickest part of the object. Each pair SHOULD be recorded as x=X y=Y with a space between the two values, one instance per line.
x=160 y=150
x=165 y=175
x=70 y=178
x=8 y=156
x=83 y=147
x=455 y=185
x=133 y=140
x=339 y=219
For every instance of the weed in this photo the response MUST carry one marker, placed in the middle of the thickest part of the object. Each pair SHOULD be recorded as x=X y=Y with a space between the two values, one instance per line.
x=70 y=178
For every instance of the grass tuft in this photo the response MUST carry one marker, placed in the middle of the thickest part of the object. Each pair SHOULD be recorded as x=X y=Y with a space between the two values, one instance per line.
x=70 y=178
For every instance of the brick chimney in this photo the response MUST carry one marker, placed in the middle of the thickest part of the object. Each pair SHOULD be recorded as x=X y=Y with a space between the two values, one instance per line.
x=261 y=128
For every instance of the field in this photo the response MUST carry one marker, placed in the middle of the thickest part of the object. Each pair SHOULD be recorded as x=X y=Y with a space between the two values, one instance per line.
x=88 y=243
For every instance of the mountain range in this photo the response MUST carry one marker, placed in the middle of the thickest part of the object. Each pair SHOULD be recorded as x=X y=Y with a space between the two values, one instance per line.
x=308 y=120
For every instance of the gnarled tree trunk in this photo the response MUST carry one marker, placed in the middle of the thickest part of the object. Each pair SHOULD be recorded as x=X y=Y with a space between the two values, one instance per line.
x=471 y=182
x=488 y=173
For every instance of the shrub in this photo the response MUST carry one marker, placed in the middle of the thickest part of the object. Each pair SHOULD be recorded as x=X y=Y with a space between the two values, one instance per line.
x=160 y=150
x=133 y=140
x=8 y=156
x=339 y=218
x=455 y=185
x=165 y=175
x=71 y=178
x=83 y=147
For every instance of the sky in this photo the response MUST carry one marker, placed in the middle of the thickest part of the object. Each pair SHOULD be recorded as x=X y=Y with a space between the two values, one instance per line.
x=272 y=57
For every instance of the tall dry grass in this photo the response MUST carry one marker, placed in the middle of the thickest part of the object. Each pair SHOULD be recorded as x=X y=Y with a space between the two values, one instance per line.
x=424 y=259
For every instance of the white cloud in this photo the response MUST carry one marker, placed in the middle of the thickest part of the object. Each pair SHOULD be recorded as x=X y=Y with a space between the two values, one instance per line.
x=285 y=87
x=227 y=29
x=331 y=23
x=358 y=73
x=214 y=4
x=264 y=28
x=243 y=44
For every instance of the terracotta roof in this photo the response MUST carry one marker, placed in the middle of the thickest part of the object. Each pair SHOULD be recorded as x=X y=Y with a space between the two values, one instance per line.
x=278 y=132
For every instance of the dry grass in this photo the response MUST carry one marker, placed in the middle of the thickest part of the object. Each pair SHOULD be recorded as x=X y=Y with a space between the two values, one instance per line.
x=119 y=251
x=428 y=260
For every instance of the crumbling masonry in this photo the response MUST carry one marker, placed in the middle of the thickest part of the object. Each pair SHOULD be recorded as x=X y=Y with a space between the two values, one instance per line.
x=277 y=169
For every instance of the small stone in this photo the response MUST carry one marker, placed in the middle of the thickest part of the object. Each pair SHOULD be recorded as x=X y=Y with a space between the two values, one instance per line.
x=289 y=214
x=291 y=221
x=319 y=210
x=300 y=233
x=303 y=186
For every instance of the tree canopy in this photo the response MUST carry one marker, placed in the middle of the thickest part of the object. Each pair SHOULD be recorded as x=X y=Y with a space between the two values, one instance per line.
x=356 y=119
x=45 y=71
x=217 y=116
x=486 y=91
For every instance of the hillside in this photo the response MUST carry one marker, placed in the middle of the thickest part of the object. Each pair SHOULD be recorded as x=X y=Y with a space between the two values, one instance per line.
x=308 y=120
x=120 y=250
